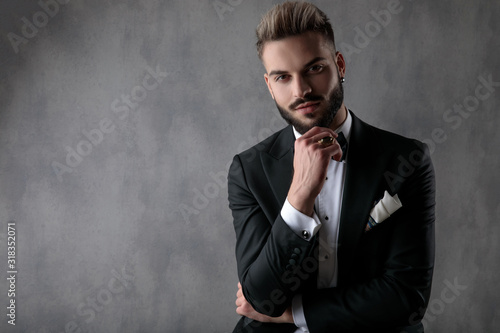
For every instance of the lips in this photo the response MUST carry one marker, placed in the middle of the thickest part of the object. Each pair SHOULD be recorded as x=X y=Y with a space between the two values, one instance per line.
x=306 y=108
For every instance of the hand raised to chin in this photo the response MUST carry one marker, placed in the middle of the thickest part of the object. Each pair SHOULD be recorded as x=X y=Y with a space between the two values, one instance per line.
x=310 y=164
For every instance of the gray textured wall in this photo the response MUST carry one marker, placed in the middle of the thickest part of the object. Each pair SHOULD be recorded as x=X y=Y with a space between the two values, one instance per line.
x=134 y=233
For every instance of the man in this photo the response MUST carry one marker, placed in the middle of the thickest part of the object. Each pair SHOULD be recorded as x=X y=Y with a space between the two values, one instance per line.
x=328 y=239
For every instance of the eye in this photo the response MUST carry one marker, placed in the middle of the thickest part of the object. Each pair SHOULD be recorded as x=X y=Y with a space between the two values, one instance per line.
x=315 y=68
x=281 y=78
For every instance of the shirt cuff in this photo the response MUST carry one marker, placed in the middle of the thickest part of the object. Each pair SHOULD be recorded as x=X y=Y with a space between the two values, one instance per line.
x=304 y=226
x=298 y=313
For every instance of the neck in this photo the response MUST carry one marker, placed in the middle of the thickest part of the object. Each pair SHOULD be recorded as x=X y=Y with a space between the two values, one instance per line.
x=339 y=118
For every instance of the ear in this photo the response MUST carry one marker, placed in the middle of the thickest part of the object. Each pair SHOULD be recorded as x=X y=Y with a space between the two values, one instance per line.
x=340 y=62
x=266 y=77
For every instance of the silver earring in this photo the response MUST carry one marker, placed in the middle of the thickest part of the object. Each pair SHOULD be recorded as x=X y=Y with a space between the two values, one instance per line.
x=342 y=79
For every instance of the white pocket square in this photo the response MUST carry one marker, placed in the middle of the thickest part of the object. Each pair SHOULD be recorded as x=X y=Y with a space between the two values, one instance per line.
x=383 y=209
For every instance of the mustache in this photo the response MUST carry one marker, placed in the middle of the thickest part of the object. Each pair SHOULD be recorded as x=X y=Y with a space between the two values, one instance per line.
x=299 y=101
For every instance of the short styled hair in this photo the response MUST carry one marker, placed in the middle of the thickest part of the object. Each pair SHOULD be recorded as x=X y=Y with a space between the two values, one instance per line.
x=293 y=18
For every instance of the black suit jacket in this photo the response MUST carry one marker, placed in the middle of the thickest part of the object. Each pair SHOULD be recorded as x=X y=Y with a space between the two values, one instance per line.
x=385 y=274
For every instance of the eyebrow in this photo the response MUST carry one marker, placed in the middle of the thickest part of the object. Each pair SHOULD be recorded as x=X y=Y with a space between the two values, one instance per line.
x=281 y=72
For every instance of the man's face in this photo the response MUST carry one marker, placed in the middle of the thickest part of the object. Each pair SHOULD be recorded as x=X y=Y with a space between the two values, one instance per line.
x=303 y=79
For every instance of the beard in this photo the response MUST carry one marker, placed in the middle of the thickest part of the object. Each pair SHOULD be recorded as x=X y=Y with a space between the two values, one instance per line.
x=325 y=119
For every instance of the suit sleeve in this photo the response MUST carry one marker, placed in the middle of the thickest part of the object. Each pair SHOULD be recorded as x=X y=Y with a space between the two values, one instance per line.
x=398 y=296
x=267 y=249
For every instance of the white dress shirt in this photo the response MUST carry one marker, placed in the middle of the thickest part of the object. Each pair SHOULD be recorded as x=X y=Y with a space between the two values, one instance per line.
x=325 y=220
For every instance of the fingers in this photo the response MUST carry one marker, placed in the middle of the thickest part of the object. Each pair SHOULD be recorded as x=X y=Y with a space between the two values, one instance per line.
x=319 y=132
x=316 y=134
x=326 y=141
x=240 y=298
x=338 y=155
x=242 y=306
x=239 y=292
x=320 y=135
x=323 y=139
x=317 y=137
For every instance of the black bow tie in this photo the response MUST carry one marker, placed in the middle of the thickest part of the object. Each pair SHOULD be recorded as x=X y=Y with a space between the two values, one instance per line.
x=343 y=145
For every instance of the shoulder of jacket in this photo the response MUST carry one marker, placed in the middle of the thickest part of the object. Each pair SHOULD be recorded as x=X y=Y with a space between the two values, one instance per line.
x=264 y=145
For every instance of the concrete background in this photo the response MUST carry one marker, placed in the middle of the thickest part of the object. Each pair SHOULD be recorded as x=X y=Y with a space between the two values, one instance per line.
x=134 y=233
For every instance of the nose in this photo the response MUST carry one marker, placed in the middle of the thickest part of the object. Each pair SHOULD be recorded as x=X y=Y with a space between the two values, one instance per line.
x=301 y=87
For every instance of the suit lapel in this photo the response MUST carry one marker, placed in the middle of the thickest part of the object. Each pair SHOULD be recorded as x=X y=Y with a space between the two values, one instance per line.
x=363 y=175
x=278 y=164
